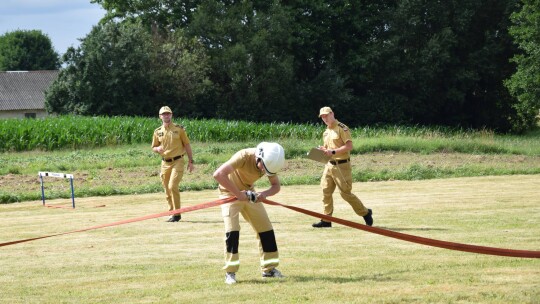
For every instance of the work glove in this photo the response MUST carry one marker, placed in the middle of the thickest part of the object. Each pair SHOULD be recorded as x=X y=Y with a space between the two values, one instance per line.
x=252 y=196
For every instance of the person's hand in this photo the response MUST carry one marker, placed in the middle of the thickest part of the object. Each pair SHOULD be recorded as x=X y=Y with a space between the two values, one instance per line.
x=326 y=151
x=260 y=196
x=158 y=149
x=243 y=196
x=191 y=167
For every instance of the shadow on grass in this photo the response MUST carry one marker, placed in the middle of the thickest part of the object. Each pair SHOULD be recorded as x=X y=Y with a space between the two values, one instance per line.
x=411 y=229
x=303 y=279
x=196 y=222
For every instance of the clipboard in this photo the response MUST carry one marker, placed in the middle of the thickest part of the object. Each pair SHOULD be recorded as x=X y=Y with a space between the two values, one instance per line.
x=318 y=155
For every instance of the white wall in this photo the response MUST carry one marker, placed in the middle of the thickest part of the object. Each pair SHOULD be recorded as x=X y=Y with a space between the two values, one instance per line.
x=22 y=114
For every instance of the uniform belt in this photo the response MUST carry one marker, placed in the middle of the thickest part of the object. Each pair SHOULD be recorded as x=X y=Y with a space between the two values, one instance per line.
x=337 y=162
x=174 y=158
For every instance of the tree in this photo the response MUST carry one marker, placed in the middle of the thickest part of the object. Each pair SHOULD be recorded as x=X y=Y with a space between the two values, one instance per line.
x=525 y=83
x=122 y=69
x=334 y=45
x=426 y=62
x=386 y=61
x=23 y=50
x=179 y=71
x=171 y=14
x=251 y=68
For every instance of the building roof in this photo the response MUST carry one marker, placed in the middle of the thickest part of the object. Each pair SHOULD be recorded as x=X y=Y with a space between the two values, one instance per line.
x=24 y=90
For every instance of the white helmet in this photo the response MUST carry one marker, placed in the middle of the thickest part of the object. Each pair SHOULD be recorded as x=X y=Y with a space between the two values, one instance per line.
x=272 y=156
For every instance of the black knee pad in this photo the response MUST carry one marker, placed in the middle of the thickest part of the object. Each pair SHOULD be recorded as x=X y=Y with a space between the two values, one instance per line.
x=268 y=241
x=232 y=241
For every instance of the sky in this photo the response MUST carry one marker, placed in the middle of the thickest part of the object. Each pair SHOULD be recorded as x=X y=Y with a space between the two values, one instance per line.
x=63 y=21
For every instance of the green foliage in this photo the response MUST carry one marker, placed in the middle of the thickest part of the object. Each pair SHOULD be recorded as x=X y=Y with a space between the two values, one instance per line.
x=432 y=62
x=14 y=170
x=76 y=132
x=525 y=83
x=126 y=164
x=388 y=62
x=23 y=50
x=376 y=62
x=105 y=73
x=7 y=198
x=251 y=69
x=123 y=69
x=179 y=71
x=73 y=132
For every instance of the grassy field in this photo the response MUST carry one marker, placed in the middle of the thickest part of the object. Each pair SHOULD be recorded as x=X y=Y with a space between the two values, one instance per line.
x=134 y=169
x=473 y=187
x=111 y=155
x=157 y=262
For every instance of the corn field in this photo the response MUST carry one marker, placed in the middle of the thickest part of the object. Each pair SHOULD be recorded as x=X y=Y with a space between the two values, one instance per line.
x=74 y=132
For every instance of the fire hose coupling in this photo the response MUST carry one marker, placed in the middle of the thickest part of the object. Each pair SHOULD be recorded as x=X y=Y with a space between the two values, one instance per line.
x=252 y=196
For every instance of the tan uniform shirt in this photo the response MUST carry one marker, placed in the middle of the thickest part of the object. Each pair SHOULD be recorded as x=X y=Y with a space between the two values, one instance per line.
x=335 y=136
x=246 y=172
x=172 y=139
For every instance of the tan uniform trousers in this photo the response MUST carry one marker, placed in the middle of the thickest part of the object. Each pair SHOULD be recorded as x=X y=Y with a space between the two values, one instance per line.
x=340 y=176
x=171 y=175
x=255 y=214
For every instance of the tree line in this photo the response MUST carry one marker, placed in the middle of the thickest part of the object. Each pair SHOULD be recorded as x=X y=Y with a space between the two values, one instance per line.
x=462 y=63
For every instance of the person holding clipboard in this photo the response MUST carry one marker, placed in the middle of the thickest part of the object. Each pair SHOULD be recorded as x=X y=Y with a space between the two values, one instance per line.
x=337 y=143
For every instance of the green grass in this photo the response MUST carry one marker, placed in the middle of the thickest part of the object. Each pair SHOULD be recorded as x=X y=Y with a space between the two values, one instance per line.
x=157 y=262
x=75 y=132
x=126 y=165
x=417 y=181
x=134 y=169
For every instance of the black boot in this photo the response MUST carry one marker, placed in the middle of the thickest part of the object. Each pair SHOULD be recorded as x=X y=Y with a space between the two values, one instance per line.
x=322 y=224
x=368 y=218
x=174 y=218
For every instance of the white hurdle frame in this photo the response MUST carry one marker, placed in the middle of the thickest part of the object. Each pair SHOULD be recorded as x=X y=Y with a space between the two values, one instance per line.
x=59 y=175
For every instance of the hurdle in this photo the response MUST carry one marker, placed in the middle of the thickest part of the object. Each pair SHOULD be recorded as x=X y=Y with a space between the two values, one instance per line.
x=59 y=175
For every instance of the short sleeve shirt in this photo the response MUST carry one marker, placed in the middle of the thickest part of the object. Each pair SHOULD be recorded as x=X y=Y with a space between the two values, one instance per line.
x=335 y=136
x=173 y=139
x=245 y=173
